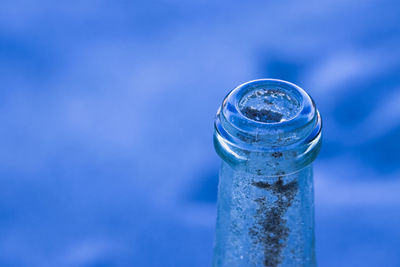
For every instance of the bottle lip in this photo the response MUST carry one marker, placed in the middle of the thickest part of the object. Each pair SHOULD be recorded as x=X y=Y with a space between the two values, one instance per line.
x=285 y=145
x=239 y=128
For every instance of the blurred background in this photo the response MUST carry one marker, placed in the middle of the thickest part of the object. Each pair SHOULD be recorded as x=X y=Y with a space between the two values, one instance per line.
x=107 y=112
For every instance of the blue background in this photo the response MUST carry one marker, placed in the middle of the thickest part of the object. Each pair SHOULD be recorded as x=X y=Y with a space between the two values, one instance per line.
x=107 y=109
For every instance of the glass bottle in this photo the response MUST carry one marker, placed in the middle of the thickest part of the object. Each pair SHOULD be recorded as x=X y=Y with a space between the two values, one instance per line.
x=267 y=133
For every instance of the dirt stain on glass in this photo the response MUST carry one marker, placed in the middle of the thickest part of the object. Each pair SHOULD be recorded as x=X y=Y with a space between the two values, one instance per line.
x=270 y=229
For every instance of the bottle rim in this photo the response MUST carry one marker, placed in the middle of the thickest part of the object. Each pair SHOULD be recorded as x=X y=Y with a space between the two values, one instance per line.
x=297 y=136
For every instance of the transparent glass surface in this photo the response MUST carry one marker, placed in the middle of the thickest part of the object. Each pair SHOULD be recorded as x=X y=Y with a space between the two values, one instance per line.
x=267 y=132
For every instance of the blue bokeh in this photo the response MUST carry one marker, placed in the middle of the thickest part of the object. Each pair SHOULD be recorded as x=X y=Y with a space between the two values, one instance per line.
x=107 y=112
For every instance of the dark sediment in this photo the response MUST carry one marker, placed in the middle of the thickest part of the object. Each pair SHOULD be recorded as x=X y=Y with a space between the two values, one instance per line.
x=263 y=115
x=271 y=230
x=277 y=154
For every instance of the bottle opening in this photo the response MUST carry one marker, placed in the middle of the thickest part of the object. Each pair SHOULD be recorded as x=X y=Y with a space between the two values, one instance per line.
x=269 y=105
x=271 y=126
x=272 y=120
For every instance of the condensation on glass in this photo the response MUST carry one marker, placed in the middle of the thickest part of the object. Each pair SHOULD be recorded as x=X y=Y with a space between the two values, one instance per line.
x=267 y=132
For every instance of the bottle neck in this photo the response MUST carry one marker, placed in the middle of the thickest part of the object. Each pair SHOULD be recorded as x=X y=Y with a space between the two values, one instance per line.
x=265 y=221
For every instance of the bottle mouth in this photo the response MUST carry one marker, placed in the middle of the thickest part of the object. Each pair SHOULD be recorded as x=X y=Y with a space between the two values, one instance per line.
x=267 y=115
x=269 y=104
x=268 y=112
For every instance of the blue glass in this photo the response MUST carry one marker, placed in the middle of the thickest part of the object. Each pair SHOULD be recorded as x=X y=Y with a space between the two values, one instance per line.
x=267 y=132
